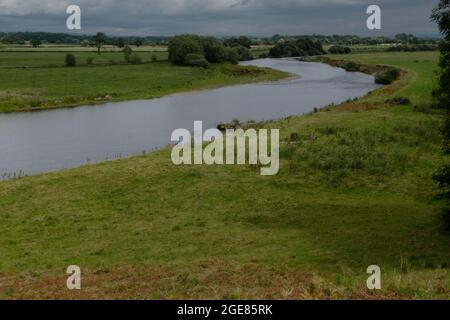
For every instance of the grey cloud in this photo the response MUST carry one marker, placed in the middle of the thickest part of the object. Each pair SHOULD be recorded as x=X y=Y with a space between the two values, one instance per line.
x=220 y=17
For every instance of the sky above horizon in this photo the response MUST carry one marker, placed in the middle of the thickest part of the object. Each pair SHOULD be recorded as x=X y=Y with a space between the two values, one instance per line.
x=219 y=17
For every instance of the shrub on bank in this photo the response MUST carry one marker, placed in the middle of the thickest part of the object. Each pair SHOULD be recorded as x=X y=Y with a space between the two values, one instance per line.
x=351 y=66
x=232 y=55
x=196 y=60
x=244 y=53
x=339 y=50
x=398 y=101
x=387 y=77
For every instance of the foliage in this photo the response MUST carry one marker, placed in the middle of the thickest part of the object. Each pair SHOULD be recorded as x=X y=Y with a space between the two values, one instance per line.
x=244 y=53
x=138 y=42
x=181 y=46
x=135 y=58
x=196 y=60
x=387 y=77
x=239 y=41
x=351 y=66
x=127 y=51
x=213 y=49
x=70 y=60
x=301 y=47
x=119 y=42
x=412 y=48
x=36 y=42
x=441 y=15
x=339 y=50
x=232 y=55
x=99 y=41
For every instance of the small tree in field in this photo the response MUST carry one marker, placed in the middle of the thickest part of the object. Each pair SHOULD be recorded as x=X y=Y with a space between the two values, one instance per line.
x=119 y=43
x=99 y=41
x=36 y=42
x=441 y=15
x=138 y=42
x=127 y=52
x=70 y=60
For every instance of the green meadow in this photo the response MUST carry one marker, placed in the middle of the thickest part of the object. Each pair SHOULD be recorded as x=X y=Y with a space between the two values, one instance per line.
x=355 y=189
x=37 y=79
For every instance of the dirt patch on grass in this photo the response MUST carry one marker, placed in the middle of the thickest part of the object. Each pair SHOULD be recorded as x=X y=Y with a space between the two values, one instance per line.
x=206 y=280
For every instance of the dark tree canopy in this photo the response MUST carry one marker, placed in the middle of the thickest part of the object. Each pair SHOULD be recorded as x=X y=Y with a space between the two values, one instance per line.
x=36 y=42
x=99 y=41
x=295 y=48
x=441 y=15
x=214 y=50
x=211 y=49
x=181 y=46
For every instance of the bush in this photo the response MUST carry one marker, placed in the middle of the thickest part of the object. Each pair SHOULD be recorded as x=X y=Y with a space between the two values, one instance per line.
x=446 y=219
x=387 y=77
x=135 y=58
x=90 y=60
x=70 y=60
x=339 y=50
x=127 y=51
x=196 y=60
x=351 y=66
x=182 y=46
x=399 y=101
x=232 y=55
x=412 y=48
x=244 y=53
x=294 y=48
x=154 y=58
x=214 y=50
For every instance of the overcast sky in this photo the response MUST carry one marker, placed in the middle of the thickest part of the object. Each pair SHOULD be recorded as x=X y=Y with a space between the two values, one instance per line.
x=219 y=17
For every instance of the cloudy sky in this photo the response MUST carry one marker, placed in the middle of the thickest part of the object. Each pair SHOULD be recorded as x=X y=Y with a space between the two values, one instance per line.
x=219 y=17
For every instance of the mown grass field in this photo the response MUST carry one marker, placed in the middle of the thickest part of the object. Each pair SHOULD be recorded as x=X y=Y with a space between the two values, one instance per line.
x=38 y=58
x=36 y=79
x=422 y=67
x=355 y=189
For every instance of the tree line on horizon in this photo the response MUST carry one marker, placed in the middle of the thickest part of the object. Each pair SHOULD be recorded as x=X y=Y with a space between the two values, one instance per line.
x=21 y=38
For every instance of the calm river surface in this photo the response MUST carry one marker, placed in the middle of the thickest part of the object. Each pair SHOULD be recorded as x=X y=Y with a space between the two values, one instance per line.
x=44 y=141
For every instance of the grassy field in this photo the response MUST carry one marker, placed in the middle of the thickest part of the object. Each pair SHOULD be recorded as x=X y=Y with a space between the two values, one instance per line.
x=355 y=189
x=421 y=65
x=38 y=80
x=37 y=58
x=35 y=79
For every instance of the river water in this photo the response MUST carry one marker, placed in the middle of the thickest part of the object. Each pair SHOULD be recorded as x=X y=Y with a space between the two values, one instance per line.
x=36 y=142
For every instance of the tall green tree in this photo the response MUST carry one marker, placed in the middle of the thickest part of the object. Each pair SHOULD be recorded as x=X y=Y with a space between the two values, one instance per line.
x=441 y=15
x=99 y=41
x=36 y=42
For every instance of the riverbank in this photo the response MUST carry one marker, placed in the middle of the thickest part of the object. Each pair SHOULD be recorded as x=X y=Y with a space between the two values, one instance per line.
x=41 y=88
x=355 y=189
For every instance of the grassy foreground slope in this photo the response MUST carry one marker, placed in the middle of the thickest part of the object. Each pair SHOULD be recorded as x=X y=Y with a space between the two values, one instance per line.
x=355 y=189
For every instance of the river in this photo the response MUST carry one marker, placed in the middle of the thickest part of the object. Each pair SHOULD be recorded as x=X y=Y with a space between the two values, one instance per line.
x=36 y=142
